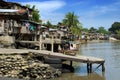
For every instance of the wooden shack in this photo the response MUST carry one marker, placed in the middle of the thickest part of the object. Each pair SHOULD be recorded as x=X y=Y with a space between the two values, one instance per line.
x=15 y=21
x=11 y=15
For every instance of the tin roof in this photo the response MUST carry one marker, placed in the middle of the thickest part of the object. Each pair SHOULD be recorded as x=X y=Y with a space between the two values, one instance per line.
x=8 y=10
x=7 y=5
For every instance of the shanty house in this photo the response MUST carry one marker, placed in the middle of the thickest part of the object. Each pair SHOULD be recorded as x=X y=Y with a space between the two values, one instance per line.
x=15 y=21
x=10 y=16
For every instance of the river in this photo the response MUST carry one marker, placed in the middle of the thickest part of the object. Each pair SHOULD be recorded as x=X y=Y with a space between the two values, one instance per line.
x=110 y=51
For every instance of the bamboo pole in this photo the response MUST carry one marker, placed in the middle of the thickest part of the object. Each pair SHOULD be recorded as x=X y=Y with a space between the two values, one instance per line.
x=35 y=37
x=52 y=44
x=40 y=42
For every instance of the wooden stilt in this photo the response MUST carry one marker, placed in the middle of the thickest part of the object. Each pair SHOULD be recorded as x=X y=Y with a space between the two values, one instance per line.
x=52 y=45
x=40 y=42
x=35 y=37
x=103 y=67
x=103 y=74
x=71 y=67
x=71 y=63
x=90 y=67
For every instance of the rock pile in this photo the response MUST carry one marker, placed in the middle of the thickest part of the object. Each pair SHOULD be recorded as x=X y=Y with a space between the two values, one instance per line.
x=19 y=66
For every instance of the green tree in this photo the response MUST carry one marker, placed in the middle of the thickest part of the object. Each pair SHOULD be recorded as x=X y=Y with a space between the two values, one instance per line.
x=72 y=22
x=76 y=30
x=85 y=30
x=48 y=24
x=35 y=13
x=115 y=26
x=102 y=30
x=92 y=30
x=118 y=33
x=59 y=24
x=27 y=5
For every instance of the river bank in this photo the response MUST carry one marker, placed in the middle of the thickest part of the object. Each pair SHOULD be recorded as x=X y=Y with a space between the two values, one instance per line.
x=26 y=67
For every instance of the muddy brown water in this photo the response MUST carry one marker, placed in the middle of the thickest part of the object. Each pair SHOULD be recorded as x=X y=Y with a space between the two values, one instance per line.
x=110 y=51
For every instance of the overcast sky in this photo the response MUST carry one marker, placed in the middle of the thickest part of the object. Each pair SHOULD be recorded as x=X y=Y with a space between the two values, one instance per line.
x=92 y=13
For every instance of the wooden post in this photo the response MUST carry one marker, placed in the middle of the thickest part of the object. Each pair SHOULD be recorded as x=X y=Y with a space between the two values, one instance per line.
x=103 y=67
x=40 y=42
x=90 y=67
x=52 y=44
x=71 y=63
x=35 y=37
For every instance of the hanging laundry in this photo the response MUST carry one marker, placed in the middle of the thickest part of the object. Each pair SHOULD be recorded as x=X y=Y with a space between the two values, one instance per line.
x=27 y=25
x=31 y=28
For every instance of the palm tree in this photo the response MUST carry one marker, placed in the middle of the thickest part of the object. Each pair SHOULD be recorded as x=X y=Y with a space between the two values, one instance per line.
x=72 y=22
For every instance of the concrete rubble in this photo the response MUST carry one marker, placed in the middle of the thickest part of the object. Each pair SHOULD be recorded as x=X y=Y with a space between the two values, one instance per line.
x=26 y=67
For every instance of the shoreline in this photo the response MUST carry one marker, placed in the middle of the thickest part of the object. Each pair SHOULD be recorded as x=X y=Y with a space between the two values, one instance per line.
x=25 y=67
x=98 y=41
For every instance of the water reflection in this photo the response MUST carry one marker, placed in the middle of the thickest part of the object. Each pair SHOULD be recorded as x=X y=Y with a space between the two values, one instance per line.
x=82 y=73
x=91 y=76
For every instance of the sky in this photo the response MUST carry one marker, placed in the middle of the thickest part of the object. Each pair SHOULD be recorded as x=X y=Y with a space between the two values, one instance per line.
x=92 y=13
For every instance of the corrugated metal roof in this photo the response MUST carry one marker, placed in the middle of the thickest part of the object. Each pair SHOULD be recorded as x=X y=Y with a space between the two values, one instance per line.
x=8 y=10
x=31 y=22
